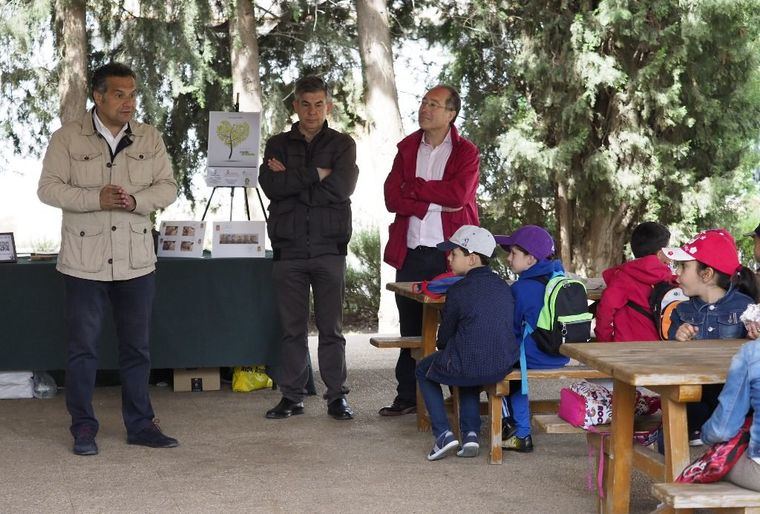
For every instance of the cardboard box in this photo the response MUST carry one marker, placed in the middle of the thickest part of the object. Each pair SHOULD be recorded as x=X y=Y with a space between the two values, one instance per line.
x=196 y=379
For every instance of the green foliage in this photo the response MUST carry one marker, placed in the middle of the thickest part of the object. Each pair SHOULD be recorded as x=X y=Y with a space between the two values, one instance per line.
x=28 y=86
x=362 y=300
x=615 y=110
x=180 y=51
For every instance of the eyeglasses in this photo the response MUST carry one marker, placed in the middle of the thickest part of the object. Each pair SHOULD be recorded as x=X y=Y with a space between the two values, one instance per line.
x=432 y=105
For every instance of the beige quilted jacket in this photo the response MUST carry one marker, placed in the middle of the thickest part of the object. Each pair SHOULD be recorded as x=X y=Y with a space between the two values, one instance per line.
x=113 y=244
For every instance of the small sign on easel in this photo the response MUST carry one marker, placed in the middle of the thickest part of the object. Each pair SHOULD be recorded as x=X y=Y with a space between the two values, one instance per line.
x=233 y=149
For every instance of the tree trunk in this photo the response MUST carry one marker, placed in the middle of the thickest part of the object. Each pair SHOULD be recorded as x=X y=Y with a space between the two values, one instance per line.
x=590 y=242
x=72 y=85
x=564 y=241
x=244 y=59
x=244 y=56
x=601 y=239
x=384 y=126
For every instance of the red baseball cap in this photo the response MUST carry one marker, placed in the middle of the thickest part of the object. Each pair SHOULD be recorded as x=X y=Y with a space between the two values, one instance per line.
x=715 y=248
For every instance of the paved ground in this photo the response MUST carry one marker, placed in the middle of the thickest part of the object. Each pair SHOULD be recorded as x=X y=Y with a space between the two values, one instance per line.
x=233 y=459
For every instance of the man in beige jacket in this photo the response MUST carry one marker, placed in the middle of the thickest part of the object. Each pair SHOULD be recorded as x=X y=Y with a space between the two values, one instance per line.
x=107 y=173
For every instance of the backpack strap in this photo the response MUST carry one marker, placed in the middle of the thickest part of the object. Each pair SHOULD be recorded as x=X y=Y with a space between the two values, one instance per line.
x=527 y=330
x=641 y=310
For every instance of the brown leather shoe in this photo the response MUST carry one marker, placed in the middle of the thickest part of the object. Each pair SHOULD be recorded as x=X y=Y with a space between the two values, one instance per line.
x=398 y=408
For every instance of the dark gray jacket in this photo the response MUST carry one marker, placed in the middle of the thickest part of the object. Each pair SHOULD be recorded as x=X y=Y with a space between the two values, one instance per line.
x=309 y=217
x=478 y=344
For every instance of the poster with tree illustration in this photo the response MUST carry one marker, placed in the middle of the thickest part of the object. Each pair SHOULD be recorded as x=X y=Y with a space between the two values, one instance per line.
x=233 y=139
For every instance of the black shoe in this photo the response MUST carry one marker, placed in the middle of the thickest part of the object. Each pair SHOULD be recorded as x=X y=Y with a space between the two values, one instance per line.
x=285 y=409
x=695 y=438
x=84 y=441
x=518 y=444
x=152 y=437
x=508 y=428
x=339 y=409
x=398 y=408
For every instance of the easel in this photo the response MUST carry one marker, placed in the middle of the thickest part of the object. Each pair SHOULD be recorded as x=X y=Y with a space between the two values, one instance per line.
x=232 y=188
x=232 y=198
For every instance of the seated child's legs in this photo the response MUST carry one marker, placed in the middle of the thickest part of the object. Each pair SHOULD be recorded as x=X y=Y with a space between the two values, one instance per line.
x=469 y=409
x=519 y=409
x=431 y=392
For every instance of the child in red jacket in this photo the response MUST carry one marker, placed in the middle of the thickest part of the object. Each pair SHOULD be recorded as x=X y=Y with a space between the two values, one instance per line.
x=632 y=281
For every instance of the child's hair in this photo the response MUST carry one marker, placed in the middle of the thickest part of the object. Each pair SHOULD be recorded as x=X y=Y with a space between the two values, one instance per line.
x=743 y=280
x=648 y=238
x=484 y=260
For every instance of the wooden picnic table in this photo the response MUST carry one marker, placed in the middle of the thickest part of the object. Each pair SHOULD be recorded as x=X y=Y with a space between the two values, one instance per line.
x=431 y=317
x=677 y=371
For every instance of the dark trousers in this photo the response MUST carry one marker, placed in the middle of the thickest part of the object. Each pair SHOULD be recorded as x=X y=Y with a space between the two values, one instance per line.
x=469 y=402
x=132 y=305
x=421 y=263
x=293 y=278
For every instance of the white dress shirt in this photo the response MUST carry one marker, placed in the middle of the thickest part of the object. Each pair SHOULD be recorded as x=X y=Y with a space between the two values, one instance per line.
x=113 y=141
x=430 y=165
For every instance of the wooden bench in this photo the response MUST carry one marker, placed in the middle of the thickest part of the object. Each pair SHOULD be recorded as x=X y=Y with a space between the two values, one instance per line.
x=720 y=496
x=396 y=342
x=497 y=391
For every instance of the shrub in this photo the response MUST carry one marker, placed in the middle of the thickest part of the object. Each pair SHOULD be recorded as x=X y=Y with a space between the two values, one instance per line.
x=363 y=281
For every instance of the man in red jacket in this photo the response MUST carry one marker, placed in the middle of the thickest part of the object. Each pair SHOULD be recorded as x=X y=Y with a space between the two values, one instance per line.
x=631 y=282
x=431 y=189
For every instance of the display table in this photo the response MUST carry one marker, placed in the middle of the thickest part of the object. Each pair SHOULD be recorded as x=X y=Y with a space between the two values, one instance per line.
x=207 y=313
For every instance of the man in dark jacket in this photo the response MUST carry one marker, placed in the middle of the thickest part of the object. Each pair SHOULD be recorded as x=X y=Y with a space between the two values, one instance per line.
x=431 y=190
x=309 y=174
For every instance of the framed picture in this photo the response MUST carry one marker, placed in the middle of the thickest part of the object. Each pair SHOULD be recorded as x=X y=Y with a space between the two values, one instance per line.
x=7 y=247
x=238 y=239
x=233 y=149
x=181 y=239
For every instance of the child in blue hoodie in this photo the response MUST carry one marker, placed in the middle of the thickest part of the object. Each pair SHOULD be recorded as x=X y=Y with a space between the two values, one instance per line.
x=529 y=255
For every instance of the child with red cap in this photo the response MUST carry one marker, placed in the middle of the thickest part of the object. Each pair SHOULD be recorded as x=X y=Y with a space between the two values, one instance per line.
x=719 y=290
x=719 y=287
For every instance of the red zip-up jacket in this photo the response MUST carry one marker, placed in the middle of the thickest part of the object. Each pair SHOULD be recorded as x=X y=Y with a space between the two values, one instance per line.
x=633 y=280
x=407 y=195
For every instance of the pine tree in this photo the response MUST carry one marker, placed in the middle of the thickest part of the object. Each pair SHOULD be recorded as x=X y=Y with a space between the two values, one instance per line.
x=600 y=114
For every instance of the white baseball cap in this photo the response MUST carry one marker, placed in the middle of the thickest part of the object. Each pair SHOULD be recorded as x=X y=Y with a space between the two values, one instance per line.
x=471 y=238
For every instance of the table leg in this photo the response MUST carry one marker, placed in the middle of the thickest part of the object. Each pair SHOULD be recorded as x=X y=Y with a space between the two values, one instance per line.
x=676 y=437
x=429 y=332
x=621 y=449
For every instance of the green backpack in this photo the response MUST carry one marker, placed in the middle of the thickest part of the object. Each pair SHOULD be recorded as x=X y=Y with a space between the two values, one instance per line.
x=564 y=318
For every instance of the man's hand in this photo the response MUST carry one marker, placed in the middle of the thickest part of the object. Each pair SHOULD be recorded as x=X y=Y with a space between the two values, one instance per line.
x=275 y=165
x=753 y=329
x=408 y=191
x=324 y=173
x=686 y=332
x=111 y=197
x=116 y=197
x=131 y=203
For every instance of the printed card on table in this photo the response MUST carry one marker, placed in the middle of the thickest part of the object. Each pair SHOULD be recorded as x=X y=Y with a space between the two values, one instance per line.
x=238 y=239
x=181 y=239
